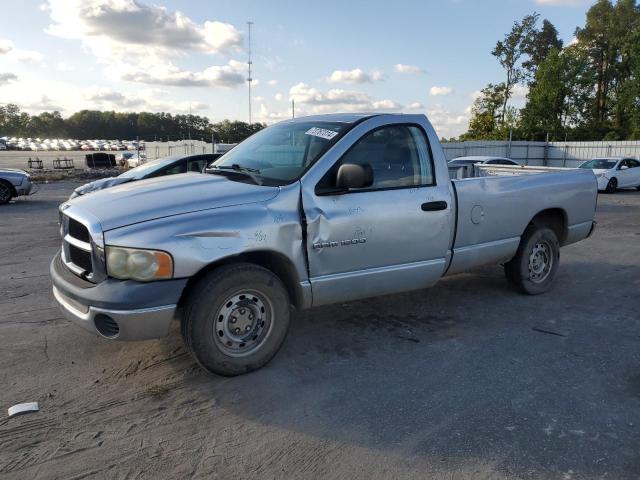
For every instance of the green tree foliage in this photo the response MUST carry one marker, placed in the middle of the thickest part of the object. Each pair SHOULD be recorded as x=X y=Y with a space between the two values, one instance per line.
x=538 y=46
x=589 y=90
x=509 y=52
x=94 y=124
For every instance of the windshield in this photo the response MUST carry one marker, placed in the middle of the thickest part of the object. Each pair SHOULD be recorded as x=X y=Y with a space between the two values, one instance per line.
x=146 y=168
x=281 y=153
x=599 y=164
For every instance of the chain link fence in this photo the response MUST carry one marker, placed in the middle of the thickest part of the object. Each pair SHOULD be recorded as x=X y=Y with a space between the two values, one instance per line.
x=551 y=154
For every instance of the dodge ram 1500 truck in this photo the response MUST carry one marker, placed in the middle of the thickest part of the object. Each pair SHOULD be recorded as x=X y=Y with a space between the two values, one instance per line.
x=307 y=212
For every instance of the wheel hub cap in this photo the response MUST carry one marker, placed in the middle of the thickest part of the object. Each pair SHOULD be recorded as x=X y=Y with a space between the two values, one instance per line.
x=242 y=323
x=540 y=262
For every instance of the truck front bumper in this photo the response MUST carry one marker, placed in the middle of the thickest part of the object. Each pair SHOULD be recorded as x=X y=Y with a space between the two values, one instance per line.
x=116 y=309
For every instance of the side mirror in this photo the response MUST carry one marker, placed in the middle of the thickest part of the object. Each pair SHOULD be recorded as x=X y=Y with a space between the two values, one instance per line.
x=351 y=176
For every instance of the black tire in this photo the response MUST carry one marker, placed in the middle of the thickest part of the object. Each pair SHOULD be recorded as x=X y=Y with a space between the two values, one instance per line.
x=535 y=264
x=6 y=192
x=216 y=308
x=612 y=186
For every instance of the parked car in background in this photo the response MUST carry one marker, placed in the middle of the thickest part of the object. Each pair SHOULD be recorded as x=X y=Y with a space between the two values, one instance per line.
x=14 y=183
x=154 y=168
x=472 y=160
x=615 y=172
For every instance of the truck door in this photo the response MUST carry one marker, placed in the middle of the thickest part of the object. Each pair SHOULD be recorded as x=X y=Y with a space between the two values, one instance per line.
x=389 y=237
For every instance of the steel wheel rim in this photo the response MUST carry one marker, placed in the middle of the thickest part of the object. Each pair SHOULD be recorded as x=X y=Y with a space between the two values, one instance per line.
x=5 y=193
x=540 y=262
x=243 y=323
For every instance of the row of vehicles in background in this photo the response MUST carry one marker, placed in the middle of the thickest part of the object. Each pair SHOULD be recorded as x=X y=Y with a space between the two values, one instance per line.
x=59 y=144
x=612 y=173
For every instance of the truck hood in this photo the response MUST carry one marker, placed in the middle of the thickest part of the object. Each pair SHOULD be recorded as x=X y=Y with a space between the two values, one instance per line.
x=160 y=197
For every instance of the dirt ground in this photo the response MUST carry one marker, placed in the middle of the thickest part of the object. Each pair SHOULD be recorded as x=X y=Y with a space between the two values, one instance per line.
x=466 y=380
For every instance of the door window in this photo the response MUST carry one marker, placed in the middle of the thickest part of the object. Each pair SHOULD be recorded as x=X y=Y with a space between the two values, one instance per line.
x=196 y=164
x=398 y=155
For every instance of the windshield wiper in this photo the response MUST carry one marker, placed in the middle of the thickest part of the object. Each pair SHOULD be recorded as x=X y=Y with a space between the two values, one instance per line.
x=236 y=168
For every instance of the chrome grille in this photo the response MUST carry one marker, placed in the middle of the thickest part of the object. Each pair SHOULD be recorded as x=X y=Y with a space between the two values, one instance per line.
x=81 y=253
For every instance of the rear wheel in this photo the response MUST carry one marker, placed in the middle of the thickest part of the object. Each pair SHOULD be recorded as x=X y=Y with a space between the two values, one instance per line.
x=535 y=264
x=236 y=319
x=612 y=186
x=6 y=192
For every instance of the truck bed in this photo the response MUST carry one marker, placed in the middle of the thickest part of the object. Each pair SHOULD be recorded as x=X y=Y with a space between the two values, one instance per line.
x=494 y=211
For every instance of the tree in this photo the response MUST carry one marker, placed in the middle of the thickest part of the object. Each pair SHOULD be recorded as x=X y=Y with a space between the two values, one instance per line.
x=485 y=121
x=509 y=52
x=540 y=43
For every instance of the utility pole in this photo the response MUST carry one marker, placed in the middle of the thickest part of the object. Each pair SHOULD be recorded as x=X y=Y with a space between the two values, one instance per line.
x=249 y=63
x=293 y=108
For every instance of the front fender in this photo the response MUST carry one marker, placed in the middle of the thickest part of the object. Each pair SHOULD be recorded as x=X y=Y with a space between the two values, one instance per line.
x=198 y=239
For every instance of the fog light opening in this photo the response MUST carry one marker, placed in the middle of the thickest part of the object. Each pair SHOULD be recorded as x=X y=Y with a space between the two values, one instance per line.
x=106 y=326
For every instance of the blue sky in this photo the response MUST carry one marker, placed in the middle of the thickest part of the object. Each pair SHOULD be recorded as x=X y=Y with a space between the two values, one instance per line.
x=412 y=56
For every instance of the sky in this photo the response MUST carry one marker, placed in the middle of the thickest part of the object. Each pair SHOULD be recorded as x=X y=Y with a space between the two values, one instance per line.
x=413 y=56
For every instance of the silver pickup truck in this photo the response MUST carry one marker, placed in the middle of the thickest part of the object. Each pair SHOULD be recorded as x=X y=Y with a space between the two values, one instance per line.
x=307 y=212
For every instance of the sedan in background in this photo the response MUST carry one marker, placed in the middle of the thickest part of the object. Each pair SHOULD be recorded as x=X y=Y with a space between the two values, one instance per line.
x=155 y=168
x=472 y=160
x=615 y=172
x=14 y=183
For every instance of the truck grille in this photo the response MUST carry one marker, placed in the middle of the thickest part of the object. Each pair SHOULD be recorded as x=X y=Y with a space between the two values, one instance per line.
x=79 y=252
x=79 y=231
x=80 y=258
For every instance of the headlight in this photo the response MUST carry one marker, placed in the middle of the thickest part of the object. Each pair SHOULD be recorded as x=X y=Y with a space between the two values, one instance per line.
x=138 y=264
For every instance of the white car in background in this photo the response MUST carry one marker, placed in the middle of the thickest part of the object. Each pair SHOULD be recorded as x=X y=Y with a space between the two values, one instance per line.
x=615 y=172
x=485 y=160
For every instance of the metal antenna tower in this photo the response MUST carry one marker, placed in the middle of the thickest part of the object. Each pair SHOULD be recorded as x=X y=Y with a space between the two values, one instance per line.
x=250 y=63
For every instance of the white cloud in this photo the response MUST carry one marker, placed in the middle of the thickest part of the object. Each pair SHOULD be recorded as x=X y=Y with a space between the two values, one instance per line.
x=268 y=116
x=335 y=100
x=168 y=74
x=44 y=104
x=64 y=67
x=440 y=91
x=272 y=83
x=404 y=68
x=104 y=98
x=18 y=54
x=377 y=75
x=574 y=41
x=278 y=97
x=356 y=75
x=415 y=106
x=6 y=78
x=519 y=91
x=141 y=41
x=112 y=26
x=448 y=123
x=5 y=46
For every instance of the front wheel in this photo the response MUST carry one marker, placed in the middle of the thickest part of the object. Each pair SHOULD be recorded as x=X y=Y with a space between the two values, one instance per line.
x=6 y=192
x=612 y=186
x=535 y=264
x=236 y=319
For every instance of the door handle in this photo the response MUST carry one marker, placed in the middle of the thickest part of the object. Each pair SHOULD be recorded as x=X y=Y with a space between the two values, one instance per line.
x=434 y=206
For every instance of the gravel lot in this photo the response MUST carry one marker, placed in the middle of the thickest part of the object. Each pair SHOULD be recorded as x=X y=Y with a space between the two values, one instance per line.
x=466 y=380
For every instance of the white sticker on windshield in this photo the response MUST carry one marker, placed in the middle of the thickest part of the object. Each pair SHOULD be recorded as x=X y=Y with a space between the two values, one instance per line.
x=321 y=132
